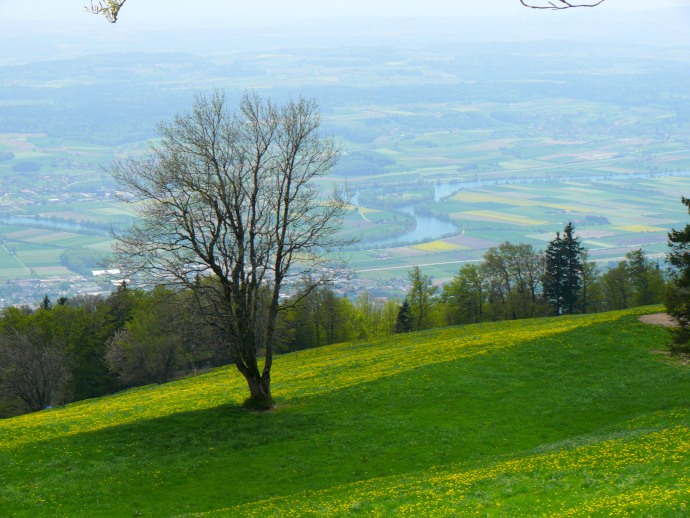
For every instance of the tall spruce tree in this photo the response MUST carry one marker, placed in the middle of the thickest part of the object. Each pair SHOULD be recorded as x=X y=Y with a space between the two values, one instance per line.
x=563 y=276
x=678 y=294
x=403 y=322
x=551 y=284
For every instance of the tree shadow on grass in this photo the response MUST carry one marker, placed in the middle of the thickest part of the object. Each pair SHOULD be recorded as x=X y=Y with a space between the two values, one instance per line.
x=125 y=469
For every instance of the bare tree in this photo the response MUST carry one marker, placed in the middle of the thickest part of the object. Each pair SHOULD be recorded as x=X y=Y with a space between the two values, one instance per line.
x=111 y=8
x=33 y=370
x=229 y=209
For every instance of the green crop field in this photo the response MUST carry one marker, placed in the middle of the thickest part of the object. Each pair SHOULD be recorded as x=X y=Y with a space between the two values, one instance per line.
x=10 y=266
x=569 y=416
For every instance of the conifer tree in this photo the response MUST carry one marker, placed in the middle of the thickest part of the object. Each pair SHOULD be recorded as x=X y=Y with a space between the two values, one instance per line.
x=403 y=323
x=563 y=278
x=678 y=295
x=46 y=303
x=551 y=284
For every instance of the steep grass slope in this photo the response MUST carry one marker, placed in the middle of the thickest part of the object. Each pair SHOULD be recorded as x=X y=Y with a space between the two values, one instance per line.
x=566 y=416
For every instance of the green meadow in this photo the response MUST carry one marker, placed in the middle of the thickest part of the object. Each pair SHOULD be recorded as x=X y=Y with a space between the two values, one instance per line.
x=571 y=416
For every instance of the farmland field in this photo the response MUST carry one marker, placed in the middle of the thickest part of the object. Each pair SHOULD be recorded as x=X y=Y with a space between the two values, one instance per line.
x=491 y=156
x=613 y=215
x=621 y=193
x=612 y=218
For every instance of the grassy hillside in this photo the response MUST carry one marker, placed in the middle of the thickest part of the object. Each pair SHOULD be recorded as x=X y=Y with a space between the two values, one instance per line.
x=560 y=417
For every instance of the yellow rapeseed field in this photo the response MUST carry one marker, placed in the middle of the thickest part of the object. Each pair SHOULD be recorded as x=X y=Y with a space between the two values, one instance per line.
x=437 y=246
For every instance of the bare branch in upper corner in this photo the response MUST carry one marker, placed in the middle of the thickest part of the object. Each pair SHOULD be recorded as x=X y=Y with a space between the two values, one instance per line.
x=108 y=8
x=111 y=8
x=559 y=4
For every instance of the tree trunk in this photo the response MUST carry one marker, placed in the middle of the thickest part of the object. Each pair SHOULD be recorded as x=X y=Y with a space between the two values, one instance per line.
x=259 y=390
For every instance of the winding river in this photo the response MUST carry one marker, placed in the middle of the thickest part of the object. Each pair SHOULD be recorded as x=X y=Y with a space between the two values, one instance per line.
x=427 y=228
x=430 y=228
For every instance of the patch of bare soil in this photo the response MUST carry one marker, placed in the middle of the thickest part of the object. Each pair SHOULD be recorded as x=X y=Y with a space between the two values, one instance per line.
x=659 y=319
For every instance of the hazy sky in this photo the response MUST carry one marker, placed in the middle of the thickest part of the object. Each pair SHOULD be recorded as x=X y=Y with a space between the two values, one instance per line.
x=49 y=29
x=207 y=10
x=46 y=13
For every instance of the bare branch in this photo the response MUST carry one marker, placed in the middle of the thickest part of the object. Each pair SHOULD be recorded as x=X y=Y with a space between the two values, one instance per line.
x=108 y=8
x=559 y=4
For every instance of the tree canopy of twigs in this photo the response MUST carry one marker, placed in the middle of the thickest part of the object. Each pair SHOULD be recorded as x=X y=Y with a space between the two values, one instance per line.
x=230 y=209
